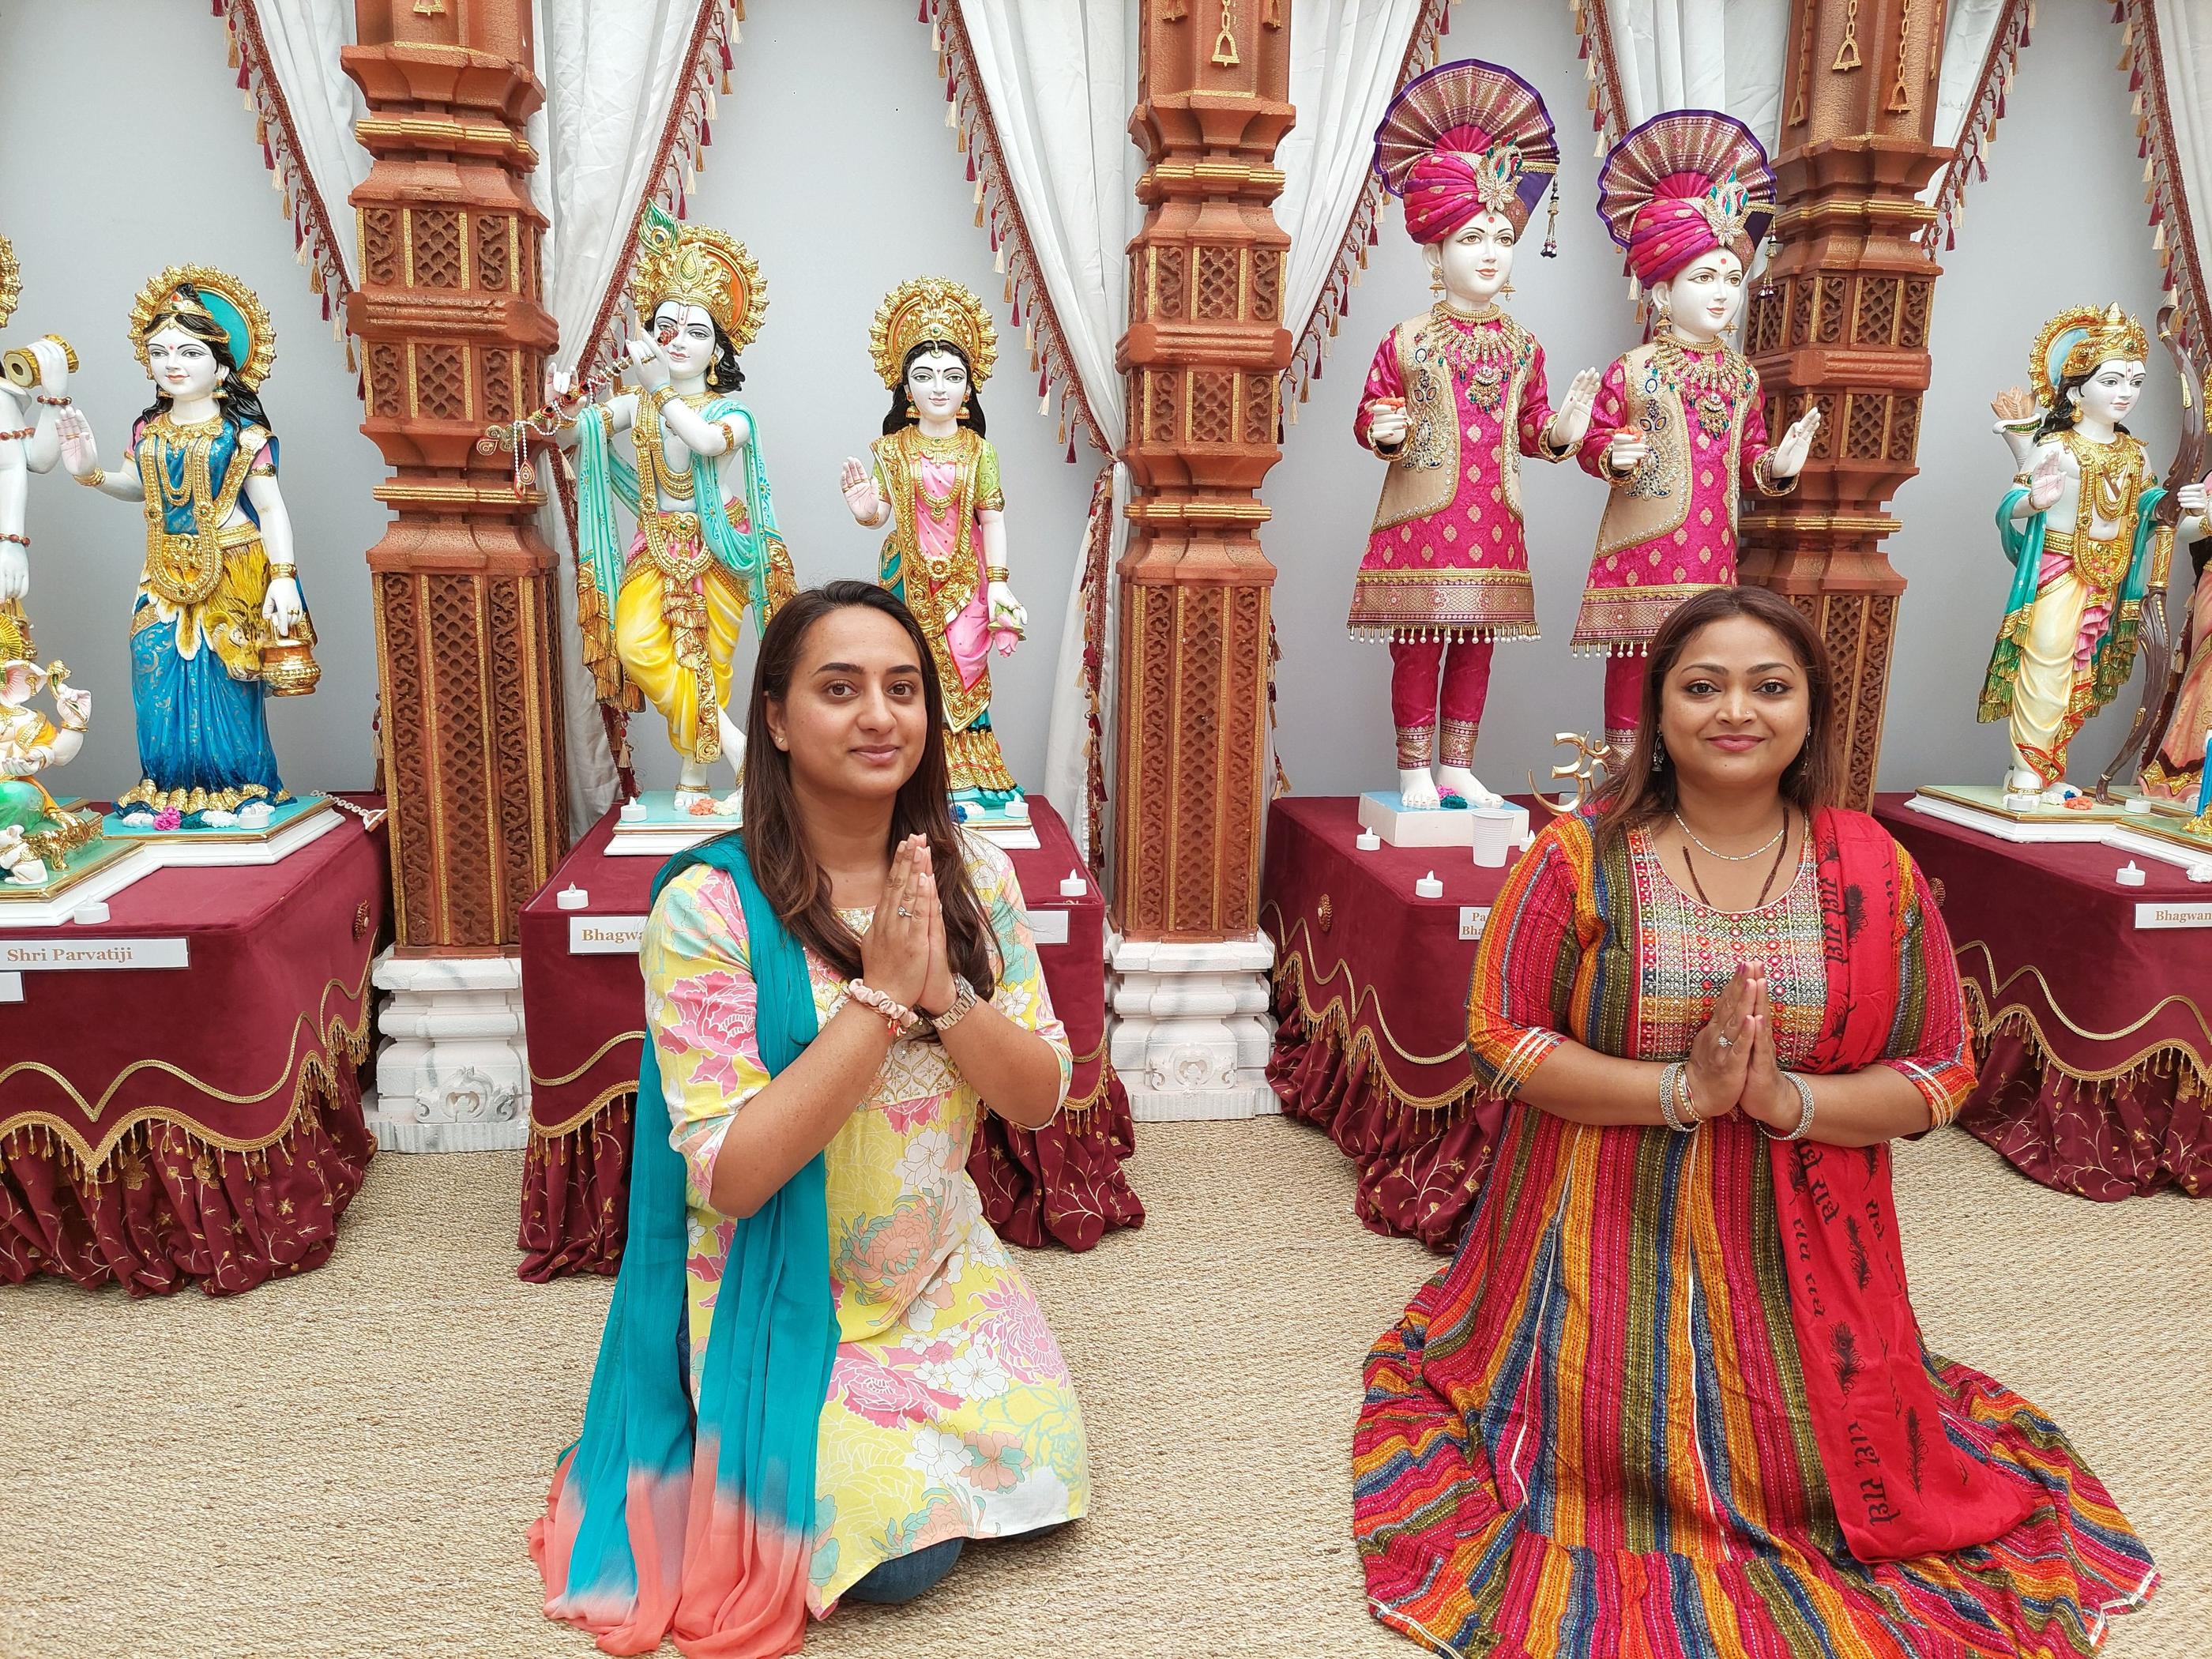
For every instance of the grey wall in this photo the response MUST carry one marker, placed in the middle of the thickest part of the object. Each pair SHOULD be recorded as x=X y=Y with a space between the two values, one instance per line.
x=2059 y=221
x=841 y=194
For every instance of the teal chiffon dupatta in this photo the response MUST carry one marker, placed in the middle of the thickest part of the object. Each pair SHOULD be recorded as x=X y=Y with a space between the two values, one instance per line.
x=661 y=1520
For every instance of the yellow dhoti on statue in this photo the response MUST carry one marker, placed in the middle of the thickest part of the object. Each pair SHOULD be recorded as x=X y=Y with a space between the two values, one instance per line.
x=676 y=630
x=2044 y=694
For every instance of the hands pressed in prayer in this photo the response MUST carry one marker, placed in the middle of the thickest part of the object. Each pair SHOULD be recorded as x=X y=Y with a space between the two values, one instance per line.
x=895 y=952
x=1722 y=1054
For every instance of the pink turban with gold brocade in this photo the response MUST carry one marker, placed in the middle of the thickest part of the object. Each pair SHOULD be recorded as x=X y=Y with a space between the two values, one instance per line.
x=1466 y=138
x=1681 y=185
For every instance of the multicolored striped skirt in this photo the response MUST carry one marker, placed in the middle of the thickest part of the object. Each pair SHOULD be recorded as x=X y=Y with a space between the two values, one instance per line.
x=1589 y=1436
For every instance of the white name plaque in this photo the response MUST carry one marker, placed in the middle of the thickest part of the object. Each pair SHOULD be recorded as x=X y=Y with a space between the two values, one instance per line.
x=1047 y=927
x=11 y=988
x=2173 y=912
x=1472 y=918
x=605 y=936
x=22 y=955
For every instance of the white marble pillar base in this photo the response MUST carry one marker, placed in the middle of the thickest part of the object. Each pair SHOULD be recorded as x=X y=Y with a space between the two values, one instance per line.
x=1189 y=1028
x=452 y=1075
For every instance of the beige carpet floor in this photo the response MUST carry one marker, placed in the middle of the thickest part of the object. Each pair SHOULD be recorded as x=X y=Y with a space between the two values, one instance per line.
x=344 y=1464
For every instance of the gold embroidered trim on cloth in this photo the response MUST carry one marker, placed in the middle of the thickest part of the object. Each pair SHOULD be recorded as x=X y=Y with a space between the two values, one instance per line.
x=1499 y=604
x=936 y=591
x=1614 y=616
x=1987 y=1016
x=1334 y=1017
x=972 y=758
x=14 y=634
x=2168 y=1057
x=316 y=1073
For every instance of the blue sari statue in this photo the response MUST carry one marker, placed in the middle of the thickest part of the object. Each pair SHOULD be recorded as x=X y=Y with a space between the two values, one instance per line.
x=220 y=624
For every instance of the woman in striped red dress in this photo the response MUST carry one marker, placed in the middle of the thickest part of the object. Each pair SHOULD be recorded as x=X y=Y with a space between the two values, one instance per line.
x=1671 y=1399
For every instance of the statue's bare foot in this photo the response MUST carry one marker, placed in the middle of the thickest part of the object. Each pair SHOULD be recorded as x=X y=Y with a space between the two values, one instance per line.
x=1417 y=790
x=1461 y=781
x=689 y=797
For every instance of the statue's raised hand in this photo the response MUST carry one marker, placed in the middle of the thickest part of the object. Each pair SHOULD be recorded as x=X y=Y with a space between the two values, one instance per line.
x=1572 y=418
x=2045 y=480
x=1796 y=443
x=80 y=450
x=652 y=367
x=861 y=497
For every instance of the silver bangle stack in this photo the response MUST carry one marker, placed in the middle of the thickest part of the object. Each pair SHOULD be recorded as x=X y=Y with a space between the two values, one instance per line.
x=1804 y=1110
x=1674 y=1097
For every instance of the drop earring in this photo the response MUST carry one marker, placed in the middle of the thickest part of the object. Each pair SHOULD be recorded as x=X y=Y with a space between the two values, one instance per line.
x=910 y=414
x=1436 y=281
x=1658 y=757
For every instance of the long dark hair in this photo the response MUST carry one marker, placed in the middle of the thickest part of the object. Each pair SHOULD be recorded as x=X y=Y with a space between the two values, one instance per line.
x=971 y=412
x=240 y=406
x=1637 y=795
x=776 y=842
x=723 y=373
x=2065 y=411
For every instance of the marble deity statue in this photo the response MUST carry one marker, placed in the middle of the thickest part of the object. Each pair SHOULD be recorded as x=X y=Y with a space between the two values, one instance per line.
x=35 y=828
x=1679 y=430
x=1455 y=399
x=935 y=487
x=29 y=443
x=219 y=624
x=661 y=613
x=2079 y=530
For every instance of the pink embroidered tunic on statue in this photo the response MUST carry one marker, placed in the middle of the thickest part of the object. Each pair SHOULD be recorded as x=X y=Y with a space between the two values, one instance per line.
x=1669 y=531
x=1687 y=185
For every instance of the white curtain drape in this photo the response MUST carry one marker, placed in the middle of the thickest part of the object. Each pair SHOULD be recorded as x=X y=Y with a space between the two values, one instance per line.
x=2183 y=46
x=301 y=40
x=1726 y=55
x=613 y=77
x=1348 y=58
x=1058 y=79
x=1968 y=28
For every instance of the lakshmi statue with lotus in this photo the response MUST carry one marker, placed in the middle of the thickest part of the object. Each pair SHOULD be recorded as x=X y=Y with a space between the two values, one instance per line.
x=935 y=487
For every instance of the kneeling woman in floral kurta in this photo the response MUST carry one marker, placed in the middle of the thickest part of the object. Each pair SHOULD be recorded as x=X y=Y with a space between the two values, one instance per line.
x=831 y=998
x=1671 y=1398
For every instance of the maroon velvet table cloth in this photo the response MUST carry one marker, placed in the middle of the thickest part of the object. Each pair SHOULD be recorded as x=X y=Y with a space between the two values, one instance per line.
x=583 y=1018
x=2095 y=1034
x=1371 y=994
x=163 y=1125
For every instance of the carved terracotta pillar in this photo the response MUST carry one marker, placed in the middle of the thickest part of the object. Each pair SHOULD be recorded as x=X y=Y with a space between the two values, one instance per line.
x=452 y=334
x=1845 y=324
x=1204 y=353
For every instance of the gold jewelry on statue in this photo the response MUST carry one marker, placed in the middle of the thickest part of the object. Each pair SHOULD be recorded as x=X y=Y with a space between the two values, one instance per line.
x=729 y=435
x=912 y=414
x=279 y=569
x=11 y=281
x=2076 y=340
x=931 y=308
x=204 y=291
x=1711 y=388
x=93 y=479
x=698 y=266
x=994 y=572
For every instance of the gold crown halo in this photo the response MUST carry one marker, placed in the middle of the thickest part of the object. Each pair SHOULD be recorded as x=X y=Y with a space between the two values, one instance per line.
x=11 y=281
x=931 y=308
x=236 y=307
x=2080 y=338
x=698 y=266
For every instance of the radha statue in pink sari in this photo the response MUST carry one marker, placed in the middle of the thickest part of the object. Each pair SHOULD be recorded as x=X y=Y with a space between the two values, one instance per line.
x=934 y=486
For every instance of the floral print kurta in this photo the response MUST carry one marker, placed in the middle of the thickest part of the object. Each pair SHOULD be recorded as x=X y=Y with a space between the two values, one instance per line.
x=951 y=1413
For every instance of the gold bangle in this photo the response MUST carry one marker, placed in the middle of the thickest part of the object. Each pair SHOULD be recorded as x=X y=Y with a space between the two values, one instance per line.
x=279 y=570
x=93 y=479
x=996 y=573
x=661 y=394
x=729 y=433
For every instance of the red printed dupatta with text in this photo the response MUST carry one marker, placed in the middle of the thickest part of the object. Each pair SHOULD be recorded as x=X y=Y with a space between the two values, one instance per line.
x=1901 y=1489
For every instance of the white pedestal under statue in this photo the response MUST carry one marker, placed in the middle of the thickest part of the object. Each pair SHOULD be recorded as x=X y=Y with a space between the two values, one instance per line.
x=451 y=1074
x=1188 y=1029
